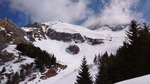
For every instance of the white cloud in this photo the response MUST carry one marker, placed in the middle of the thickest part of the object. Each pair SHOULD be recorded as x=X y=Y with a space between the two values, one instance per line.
x=119 y=11
x=116 y=12
x=46 y=10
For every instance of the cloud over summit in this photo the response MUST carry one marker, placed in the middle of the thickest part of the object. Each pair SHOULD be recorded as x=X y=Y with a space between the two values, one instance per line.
x=112 y=12
x=116 y=12
x=46 y=10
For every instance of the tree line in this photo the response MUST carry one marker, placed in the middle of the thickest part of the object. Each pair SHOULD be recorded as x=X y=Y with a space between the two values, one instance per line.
x=131 y=60
x=42 y=58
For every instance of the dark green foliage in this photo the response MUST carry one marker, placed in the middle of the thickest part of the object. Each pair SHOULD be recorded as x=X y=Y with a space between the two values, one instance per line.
x=131 y=60
x=53 y=60
x=84 y=74
x=133 y=33
x=103 y=75
x=133 y=57
x=98 y=76
x=42 y=57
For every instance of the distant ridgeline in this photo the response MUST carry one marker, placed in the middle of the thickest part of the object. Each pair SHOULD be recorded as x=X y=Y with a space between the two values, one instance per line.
x=131 y=60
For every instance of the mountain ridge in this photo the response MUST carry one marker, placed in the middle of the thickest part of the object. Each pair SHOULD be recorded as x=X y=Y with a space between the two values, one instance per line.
x=10 y=33
x=56 y=37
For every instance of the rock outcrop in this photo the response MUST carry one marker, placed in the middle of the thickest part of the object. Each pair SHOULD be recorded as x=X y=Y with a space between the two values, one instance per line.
x=10 y=33
x=40 y=31
x=65 y=37
x=36 y=31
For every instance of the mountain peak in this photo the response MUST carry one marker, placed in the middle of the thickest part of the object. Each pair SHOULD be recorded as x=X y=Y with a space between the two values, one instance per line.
x=10 y=33
x=5 y=23
x=68 y=42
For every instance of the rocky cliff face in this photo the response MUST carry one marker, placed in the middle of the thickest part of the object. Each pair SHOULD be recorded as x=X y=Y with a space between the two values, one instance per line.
x=10 y=33
x=35 y=31
x=65 y=37
x=41 y=31
x=108 y=27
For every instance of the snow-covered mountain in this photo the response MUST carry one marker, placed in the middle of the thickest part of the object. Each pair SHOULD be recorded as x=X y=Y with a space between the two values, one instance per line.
x=99 y=26
x=47 y=39
x=55 y=37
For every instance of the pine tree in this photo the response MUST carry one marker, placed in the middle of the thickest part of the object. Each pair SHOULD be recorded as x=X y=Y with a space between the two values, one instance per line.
x=131 y=60
x=103 y=76
x=132 y=56
x=133 y=33
x=144 y=59
x=53 y=60
x=127 y=55
x=84 y=74
x=97 y=80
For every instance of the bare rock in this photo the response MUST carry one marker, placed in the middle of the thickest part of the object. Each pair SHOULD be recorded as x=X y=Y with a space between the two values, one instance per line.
x=10 y=33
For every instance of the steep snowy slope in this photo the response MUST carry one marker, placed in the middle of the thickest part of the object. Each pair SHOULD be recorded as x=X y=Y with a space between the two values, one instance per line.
x=13 y=65
x=69 y=28
x=138 y=80
x=111 y=42
x=55 y=37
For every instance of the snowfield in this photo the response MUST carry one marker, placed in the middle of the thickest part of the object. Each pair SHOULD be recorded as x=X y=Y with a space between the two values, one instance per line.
x=68 y=76
x=112 y=41
x=139 y=80
x=11 y=66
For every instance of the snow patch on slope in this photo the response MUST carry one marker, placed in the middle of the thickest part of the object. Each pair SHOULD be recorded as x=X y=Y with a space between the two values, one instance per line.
x=1 y=28
x=69 y=28
x=73 y=61
x=12 y=66
x=112 y=41
x=139 y=80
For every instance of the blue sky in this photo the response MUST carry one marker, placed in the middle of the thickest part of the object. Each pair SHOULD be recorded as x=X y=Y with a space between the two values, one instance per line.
x=82 y=12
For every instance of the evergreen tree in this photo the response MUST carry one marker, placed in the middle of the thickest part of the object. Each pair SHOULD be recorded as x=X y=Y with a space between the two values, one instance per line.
x=39 y=64
x=132 y=57
x=103 y=76
x=97 y=80
x=131 y=60
x=128 y=55
x=133 y=33
x=53 y=60
x=144 y=59
x=84 y=74
x=42 y=58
